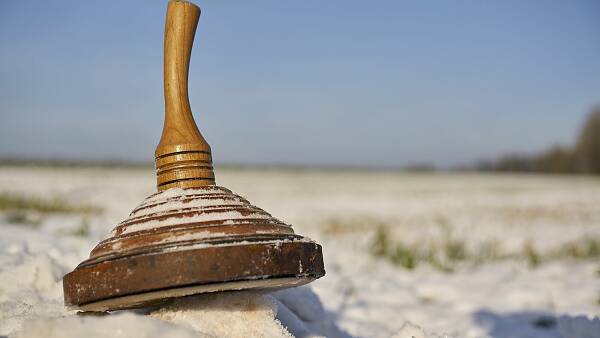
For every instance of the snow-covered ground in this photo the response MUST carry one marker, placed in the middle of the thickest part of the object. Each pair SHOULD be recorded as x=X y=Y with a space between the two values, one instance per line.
x=497 y=256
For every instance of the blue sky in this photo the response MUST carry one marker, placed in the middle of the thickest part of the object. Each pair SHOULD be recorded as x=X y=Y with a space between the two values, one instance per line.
x=361 y=83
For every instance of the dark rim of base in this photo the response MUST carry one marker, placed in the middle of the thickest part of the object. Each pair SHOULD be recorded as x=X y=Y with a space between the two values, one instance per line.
x=190 y=267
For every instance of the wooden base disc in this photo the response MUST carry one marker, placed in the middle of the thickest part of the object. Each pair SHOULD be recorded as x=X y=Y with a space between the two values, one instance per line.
x=153 y=298
x=146 y=279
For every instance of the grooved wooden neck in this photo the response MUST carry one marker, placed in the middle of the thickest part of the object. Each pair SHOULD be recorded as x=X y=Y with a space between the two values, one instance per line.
x=183 y=157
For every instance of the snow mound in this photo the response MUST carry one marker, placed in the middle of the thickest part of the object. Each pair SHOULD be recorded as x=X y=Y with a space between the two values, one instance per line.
x=121 y=325
x=295 y=312
x=289 y=313
x=409 y=330
x=236 y=314
x=302 y=312
x=30 y=286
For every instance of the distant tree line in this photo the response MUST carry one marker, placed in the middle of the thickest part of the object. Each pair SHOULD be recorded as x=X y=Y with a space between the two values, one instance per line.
x=583 y=157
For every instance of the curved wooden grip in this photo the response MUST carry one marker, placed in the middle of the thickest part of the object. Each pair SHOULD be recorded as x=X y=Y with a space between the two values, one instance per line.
x=183 y=157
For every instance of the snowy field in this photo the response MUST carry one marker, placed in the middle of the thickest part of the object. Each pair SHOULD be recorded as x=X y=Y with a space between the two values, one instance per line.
x=406 y=255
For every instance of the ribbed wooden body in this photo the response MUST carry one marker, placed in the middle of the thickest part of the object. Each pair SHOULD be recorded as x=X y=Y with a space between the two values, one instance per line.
x=208 y=215
x=190 y=241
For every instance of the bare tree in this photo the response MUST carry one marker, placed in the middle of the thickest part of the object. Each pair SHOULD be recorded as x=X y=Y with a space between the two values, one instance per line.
x=587 y=150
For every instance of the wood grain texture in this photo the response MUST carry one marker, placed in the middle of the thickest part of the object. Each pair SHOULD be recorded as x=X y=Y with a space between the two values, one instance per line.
x=182 y=155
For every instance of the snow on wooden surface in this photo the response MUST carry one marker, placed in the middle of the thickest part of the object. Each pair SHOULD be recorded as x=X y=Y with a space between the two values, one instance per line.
x=169 y=202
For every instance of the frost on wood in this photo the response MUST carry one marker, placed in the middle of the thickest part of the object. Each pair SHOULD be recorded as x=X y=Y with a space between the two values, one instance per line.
x=207 y=204
x=184 y=216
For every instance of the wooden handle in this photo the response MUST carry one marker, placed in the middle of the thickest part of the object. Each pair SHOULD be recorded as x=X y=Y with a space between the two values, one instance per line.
x=183 y=157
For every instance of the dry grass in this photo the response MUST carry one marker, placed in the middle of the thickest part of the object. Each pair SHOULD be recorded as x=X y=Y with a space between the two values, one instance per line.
x=30 y=211
x=446 y=254
x=11 y=202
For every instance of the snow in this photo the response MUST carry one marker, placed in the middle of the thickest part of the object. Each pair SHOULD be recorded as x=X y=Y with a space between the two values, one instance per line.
x=218 y=216
x=241 y=314
x=121 y=325
x=410 y=330
x=361 y=296
x=169 y=203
